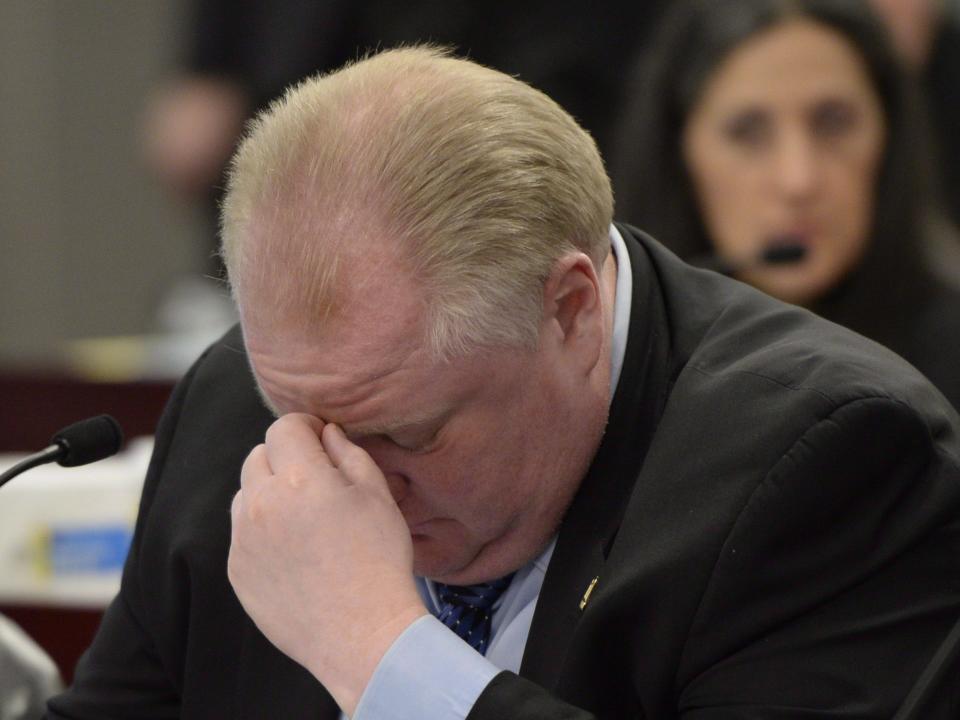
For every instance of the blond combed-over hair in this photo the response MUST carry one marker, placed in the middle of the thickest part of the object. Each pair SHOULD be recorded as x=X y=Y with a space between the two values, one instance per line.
x=479 y=182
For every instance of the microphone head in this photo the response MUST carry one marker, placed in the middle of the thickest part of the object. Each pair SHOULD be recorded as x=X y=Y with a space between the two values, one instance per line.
x=88 y=440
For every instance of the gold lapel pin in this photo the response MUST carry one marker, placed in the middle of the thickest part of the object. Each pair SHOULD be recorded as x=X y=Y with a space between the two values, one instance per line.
x=586 y=596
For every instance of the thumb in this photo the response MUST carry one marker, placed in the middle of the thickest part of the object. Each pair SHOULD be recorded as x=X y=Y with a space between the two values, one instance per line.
x=350 y=459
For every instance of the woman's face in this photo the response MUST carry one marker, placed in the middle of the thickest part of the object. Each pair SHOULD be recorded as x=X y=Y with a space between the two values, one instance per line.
x=783 y=148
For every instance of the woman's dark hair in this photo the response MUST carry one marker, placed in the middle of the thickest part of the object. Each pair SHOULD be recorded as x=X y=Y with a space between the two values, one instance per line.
x=654 y=189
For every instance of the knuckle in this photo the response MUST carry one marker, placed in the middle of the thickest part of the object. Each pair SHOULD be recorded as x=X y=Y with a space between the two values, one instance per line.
x=356 y=455
x=253 y=465
x=353 y=465
x=252 y=507
x=277 y=429
x=255 y=454
x=284 y=426
x=296 y=475
x=232 y=569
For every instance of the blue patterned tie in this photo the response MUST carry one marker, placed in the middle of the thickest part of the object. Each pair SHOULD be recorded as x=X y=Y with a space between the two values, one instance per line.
x=466 y=609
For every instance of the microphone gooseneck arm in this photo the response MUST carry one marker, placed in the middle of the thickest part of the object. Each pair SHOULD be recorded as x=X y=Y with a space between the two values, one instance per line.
x=47 y=455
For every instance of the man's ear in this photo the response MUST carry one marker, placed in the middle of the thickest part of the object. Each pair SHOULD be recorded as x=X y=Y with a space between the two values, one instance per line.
x=573 y=307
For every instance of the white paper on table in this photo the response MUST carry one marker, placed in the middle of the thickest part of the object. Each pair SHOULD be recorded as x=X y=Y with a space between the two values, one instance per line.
x=64 y=532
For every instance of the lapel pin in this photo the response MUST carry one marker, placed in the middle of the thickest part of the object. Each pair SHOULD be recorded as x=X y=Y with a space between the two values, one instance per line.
x=586 y=596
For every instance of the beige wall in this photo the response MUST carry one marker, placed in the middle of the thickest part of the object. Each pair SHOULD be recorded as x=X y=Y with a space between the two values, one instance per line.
x=87 y=241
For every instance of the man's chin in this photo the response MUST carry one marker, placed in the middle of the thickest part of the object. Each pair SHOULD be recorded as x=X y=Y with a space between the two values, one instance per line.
x=432 y=558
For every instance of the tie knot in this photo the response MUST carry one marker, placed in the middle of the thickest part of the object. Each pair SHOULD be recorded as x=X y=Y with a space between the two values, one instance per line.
x=466 y=609
x=481 y=596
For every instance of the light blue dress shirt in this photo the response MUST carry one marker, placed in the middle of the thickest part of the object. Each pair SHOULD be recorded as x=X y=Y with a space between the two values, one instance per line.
x=429 y=672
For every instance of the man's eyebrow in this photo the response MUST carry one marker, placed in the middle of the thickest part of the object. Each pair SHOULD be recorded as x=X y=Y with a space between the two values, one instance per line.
x=392 y=426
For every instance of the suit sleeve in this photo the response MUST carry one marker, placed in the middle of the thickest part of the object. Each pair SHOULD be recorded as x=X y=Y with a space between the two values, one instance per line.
x=839 y=579
x=122 y=675
x=511 y=696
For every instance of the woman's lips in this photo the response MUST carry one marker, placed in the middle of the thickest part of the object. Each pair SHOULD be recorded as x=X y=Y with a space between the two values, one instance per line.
x=785 y=249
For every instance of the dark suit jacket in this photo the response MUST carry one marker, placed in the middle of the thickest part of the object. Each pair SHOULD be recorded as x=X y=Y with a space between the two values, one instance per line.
x=773 y=516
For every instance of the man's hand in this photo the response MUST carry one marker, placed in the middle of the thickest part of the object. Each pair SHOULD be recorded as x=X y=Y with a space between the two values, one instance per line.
x=320 y=555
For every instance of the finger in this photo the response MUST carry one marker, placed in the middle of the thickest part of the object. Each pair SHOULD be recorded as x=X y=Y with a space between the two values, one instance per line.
x=293 y=444
x=353 y=461
x=239 y=506
x=236 y=507
x=236 y=514
x=255 y=467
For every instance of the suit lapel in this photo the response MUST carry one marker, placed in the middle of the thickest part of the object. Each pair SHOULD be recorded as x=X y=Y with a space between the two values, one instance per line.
x=595 y=515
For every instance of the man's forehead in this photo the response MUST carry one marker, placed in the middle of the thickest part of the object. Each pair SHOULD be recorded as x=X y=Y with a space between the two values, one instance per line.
x=369 y=389
x=323 y=259
x=380 y=326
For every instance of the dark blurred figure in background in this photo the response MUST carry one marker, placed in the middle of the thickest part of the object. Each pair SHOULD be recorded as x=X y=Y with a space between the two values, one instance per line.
x=765 y=123
x=926 y=34
x=244 y=53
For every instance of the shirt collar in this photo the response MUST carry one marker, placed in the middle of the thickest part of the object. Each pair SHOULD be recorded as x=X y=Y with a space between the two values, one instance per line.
x=621 y=307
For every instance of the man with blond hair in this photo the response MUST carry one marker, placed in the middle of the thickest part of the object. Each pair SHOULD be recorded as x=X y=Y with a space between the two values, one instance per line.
x=475 y=451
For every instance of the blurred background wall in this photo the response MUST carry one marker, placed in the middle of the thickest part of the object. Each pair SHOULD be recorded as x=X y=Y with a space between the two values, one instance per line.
x=87 y=240
x=89 y=243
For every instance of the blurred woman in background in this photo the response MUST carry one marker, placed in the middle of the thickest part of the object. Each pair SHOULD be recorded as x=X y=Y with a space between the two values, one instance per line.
x=783 y=128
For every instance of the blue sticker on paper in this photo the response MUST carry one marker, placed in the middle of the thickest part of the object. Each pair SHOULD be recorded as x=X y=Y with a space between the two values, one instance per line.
x=99 y=549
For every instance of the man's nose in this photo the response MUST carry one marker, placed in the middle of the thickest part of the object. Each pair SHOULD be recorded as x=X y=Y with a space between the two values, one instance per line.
x=398 y=484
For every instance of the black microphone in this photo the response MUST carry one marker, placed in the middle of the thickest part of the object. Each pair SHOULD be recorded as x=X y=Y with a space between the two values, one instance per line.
x=83 y=442
x=780 y=253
